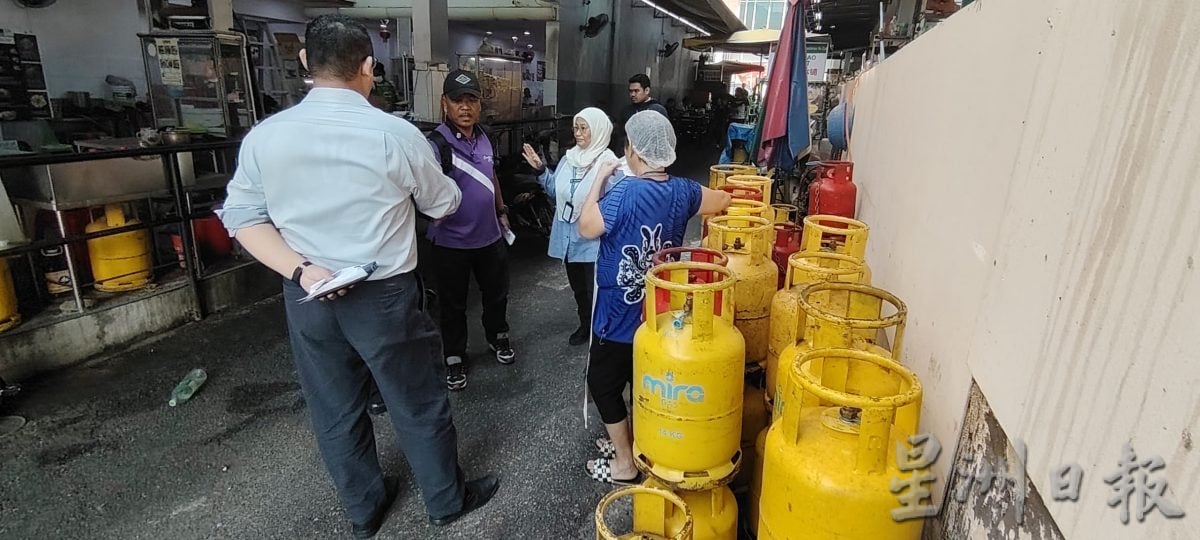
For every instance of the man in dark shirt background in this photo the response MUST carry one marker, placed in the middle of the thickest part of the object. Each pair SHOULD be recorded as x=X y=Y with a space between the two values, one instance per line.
x=640 y=100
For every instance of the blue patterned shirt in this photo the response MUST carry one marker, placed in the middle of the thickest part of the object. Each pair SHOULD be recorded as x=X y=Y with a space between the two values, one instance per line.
x=640 y=217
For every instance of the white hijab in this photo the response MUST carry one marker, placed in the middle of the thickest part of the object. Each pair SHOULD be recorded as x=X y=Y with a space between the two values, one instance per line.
x=578 y=167
x=601 y=129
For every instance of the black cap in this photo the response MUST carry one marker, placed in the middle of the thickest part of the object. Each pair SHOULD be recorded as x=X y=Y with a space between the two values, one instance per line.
x=460 y=83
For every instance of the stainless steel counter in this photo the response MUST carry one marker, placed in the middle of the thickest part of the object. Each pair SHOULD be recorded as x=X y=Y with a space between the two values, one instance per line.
x=65 y=186
x=60 y=182
x=64 y=182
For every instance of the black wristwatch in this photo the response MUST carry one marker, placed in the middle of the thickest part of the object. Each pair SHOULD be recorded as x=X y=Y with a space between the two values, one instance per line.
x=502 y=210
x=299 y=271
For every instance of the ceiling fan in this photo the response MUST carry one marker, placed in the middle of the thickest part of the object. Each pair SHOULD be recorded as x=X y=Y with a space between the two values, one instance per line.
x=594 y=25
x=668 y=49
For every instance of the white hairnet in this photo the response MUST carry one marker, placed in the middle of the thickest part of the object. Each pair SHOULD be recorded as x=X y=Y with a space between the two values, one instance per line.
x=652 y=138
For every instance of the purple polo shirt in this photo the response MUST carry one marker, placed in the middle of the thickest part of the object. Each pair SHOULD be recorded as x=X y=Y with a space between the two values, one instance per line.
x=475 y=224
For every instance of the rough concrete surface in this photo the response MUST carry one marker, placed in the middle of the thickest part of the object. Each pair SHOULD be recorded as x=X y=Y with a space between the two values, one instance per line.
x=103 y=456
x=993 y=514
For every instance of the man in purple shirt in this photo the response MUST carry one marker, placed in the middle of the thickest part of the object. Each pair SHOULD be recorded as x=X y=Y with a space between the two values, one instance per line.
x=471 y=240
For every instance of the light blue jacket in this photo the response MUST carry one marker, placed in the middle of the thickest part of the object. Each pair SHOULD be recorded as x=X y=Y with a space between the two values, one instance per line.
x=565 y=242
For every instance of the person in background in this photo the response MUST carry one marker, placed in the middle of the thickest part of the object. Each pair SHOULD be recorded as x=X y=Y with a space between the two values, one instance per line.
x=740 y=105
x=639 y=100
x=333 y=182
x=470 y=240
x=569 y=186
x=383 y=95
x=640 y=215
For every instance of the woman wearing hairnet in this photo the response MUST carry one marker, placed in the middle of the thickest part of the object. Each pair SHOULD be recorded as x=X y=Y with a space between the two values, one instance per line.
x=569 y=185
x=641 y=214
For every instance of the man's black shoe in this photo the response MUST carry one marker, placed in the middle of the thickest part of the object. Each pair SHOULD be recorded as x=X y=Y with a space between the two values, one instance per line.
x=370 y=529
x=580 y=336
x=376 y=409
x=478 y=493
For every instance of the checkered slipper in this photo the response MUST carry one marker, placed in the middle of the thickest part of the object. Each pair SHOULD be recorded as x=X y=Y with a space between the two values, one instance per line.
x=606 y=448
x=602 y=472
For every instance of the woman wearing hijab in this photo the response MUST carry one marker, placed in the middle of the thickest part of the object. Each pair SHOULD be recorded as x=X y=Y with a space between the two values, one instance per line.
x=569 y=185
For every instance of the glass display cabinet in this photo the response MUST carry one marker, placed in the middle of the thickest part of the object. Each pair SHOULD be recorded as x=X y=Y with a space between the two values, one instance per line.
x=199 y=82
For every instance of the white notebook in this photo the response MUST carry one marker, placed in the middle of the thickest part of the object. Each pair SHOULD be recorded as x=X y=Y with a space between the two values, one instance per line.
x=340 y=280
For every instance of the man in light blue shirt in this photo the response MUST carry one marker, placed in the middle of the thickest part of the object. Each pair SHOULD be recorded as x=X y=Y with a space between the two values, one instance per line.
x=334 y=182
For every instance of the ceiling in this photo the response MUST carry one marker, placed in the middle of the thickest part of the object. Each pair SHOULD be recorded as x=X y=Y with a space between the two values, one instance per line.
x=503 y=30
x=849 y=23
x=712 y=15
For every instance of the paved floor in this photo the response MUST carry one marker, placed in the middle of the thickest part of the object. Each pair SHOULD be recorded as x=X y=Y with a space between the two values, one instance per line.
x=104 y=457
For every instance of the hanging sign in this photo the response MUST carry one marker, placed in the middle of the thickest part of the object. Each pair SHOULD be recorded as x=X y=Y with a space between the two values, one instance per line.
x=169 y=65
x=815 y=55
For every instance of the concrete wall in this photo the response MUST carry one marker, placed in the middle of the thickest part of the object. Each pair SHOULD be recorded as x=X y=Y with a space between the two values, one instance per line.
x=398 y=44
x=277 y=10
x=1028 y=169
x=83 y=42
x=593 y=71
x=32 y=348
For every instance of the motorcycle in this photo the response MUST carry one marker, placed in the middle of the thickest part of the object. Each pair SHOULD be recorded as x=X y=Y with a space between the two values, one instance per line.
x=530 y=209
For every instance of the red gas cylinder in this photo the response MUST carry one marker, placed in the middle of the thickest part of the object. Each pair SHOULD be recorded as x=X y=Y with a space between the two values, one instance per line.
x=687 y=254
x=833 y=192
x=212 y=237
x=787 y=242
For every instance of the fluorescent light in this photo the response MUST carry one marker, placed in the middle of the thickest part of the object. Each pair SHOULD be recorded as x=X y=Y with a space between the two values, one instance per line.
x=676 y=17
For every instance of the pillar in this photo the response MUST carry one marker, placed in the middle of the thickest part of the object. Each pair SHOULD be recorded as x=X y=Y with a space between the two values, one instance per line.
x=431 y=56
x=550 y=85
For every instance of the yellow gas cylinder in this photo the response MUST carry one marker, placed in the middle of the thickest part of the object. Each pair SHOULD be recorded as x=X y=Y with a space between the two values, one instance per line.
x=839 y=235
x=784 y=213
x=688 y=360
x=603 y=532
x=738 y=193
x=848 y=315
x=761 y=182
x=718 y=173
x=714 y=513
x=756 y=477
x=787 y=318
x=746 y=240
x=9 y=315
x=120 y=262
x=739 y=207
x=830 y=458
x=755 y=418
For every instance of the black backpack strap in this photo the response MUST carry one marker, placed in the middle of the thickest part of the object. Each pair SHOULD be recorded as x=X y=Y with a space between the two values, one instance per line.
x=445 y=153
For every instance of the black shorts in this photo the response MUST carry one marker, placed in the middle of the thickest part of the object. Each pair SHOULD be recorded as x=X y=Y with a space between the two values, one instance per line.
x=610 y=368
